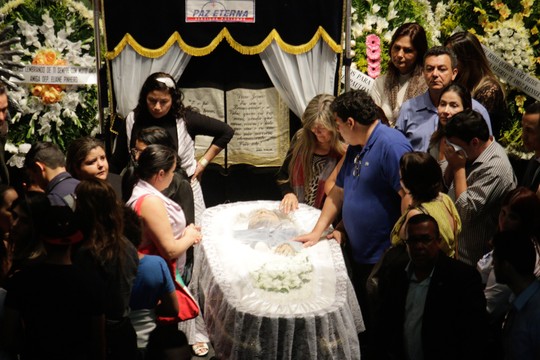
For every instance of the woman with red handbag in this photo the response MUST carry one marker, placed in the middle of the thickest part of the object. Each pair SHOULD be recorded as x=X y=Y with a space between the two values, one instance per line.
x=165 y=230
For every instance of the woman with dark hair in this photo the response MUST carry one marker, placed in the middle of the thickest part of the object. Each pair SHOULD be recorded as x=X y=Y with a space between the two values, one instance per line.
x=160 y=104
x=164 y=222
x=475 y=74
x=421 y=179
x=180 y=189
x=165 y=230
x=454 y=99
x=106 y=252
x=86 y=159
x=404 y=79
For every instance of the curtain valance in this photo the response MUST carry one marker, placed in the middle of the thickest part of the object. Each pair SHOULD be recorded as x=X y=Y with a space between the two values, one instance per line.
x=152 y=27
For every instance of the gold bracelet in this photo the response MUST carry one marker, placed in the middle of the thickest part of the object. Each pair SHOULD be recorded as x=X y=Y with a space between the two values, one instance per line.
x=203 y=162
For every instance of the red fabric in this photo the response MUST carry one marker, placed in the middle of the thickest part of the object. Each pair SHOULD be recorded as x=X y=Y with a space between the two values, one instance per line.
x=188 y=306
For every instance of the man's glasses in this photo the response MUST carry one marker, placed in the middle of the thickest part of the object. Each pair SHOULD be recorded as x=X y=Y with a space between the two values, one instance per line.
x=357 y=165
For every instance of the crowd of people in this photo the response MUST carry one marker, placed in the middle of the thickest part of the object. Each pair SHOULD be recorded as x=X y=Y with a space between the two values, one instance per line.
x=440 y=236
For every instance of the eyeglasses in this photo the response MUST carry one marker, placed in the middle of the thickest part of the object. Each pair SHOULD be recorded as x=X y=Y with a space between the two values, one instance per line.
x=424 y=240
x=357 y=165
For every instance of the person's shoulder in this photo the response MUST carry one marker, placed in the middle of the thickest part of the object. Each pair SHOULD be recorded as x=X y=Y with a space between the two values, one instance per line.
x=393 y=137
x=457 y=270
x=416 y=101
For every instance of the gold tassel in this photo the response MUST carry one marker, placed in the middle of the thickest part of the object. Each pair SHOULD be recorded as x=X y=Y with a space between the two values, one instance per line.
x=224 y=34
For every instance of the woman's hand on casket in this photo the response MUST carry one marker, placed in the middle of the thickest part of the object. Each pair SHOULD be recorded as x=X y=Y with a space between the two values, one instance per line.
x=289 y=203
x=309 y=239
x=192 y=233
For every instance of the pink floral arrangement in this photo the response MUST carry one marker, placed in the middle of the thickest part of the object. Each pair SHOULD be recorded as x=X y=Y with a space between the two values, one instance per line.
x=373 y=53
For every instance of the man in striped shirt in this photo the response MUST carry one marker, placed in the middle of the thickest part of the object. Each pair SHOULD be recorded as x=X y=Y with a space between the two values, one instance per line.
x=479 y=174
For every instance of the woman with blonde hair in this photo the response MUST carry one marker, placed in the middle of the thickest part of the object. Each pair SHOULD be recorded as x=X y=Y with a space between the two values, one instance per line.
x=312 y=157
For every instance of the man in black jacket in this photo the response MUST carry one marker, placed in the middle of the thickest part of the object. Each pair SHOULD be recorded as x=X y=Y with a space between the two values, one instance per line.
x=432 y=308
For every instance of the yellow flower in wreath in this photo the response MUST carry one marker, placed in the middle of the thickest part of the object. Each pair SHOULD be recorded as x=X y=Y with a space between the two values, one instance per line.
x=49 y=94
x=48 y=57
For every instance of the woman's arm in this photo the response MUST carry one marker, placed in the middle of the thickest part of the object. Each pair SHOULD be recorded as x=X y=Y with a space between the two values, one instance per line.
x=156 y=222
x=198 y=124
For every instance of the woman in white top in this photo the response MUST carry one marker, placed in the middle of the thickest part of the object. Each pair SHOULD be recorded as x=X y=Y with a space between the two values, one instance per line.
x=166 y=233
x=404 y=79
x=165 y=230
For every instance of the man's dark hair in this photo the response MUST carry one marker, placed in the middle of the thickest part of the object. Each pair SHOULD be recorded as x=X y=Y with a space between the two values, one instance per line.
x=356 y=104
x=422 y=218
x=467 y=125
x=517 y=249
x=441 y=50
x=47 y=153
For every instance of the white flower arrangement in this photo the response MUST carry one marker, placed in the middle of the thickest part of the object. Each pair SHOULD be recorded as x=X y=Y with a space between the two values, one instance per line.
x=285 y=275
x=510 y=40
x=59 y=35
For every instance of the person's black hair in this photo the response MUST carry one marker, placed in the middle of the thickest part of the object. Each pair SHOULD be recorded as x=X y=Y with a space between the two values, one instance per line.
x=516 y=248
x=467 y=125
x=47 y=153
x=153 y=159
x=422 y=218
x=421 y=175
x=356 y=104
x=153 y=83
x=441 y=50
x=132 y=226
x=156 y=135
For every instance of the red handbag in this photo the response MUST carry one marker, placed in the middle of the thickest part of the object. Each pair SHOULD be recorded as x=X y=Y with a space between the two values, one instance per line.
x=189 y=309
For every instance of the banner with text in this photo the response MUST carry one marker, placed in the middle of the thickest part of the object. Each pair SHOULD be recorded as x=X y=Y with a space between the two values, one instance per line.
x=513 y=76
x=58 y=75
x=358 y=80
x=220 y=11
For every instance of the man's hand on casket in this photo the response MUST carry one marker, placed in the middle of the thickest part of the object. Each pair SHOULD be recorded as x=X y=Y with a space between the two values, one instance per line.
x=309 y=239
x=339 y=234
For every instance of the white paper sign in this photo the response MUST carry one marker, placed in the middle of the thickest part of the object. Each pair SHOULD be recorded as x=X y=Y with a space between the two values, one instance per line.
x=58 y=75
x=513 y=76
x=359 y=80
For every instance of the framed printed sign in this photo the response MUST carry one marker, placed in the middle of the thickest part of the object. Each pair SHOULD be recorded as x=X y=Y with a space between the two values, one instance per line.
x=220 y=11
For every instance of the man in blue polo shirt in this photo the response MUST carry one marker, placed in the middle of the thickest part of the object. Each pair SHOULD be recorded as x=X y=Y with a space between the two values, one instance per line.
x=367 y=189
x=418 y=116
